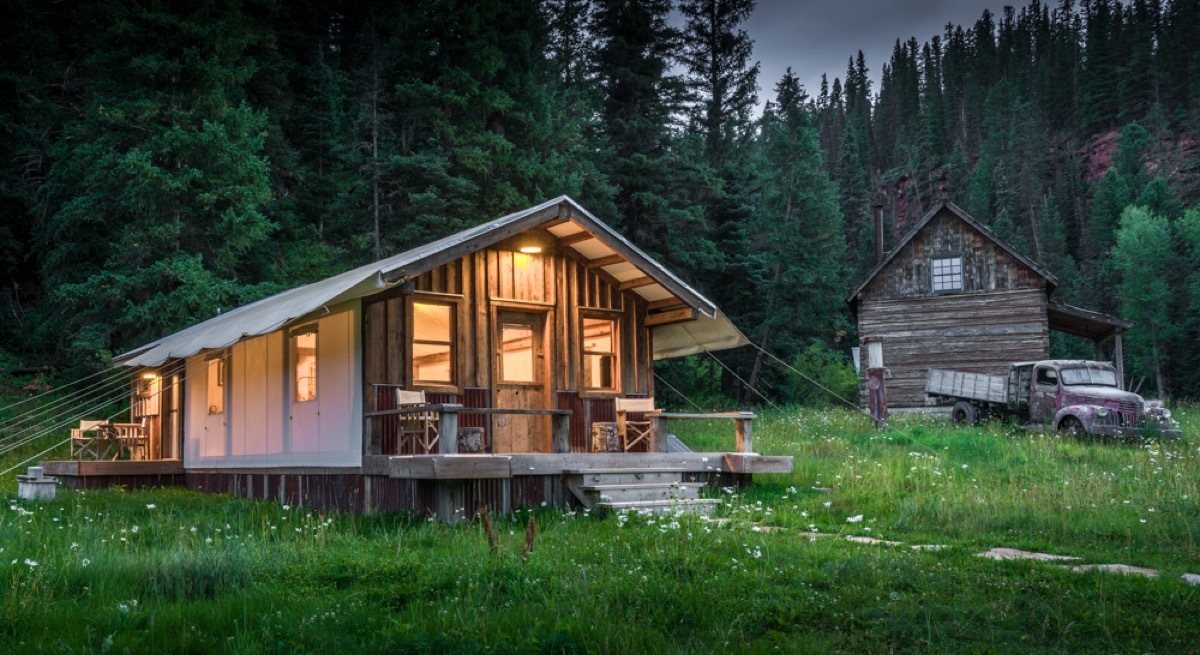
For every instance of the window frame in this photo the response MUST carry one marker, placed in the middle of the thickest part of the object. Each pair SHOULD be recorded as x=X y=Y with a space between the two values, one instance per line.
x=934 y=275
x=294 y=359
x=221 y=359
x=615 y=319
x=410 y=373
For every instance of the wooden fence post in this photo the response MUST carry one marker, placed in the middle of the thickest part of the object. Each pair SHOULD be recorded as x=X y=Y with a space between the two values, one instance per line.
x=745 y=434
x=448 y=429
x=562 y=433
x=658 y=425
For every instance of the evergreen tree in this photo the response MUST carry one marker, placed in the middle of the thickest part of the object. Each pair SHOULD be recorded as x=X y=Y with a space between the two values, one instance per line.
x=1143 y=256
x=658 y=186
x=797 y=278
x=155 y=193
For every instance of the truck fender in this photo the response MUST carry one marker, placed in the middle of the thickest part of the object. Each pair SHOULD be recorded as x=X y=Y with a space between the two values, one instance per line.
x=1081 y=412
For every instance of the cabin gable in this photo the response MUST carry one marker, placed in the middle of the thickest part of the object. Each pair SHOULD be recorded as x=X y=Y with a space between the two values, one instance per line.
x=984 y=265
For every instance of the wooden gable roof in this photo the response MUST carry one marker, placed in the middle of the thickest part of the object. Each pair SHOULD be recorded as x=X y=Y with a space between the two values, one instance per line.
x=957 y=212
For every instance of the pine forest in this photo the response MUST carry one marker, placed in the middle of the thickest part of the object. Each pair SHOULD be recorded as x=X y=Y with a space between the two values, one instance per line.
x=162 y=162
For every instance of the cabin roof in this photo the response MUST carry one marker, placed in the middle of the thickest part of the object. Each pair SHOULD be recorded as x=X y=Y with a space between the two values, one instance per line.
x=564 y=218
x=1051 y=280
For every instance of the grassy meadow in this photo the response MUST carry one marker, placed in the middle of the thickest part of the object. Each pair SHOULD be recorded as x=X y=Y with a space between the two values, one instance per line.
x=182 y=572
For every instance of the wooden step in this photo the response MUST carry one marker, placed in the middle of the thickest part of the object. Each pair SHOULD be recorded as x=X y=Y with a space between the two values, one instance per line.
x=696 y=506
x=646 y=491
x=629 y=476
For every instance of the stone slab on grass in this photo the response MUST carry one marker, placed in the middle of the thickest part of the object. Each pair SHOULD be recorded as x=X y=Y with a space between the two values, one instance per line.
x=1117 y=568
x=1191 y=578
x=1013 y=553
x=872 y=541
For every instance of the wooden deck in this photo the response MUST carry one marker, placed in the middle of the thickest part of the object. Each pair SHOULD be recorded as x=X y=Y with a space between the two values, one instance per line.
x=470 y=467
x=132 y=474
x=121 y=467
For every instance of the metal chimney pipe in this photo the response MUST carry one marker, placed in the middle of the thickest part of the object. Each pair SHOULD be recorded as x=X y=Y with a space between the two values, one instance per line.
x=878 y=233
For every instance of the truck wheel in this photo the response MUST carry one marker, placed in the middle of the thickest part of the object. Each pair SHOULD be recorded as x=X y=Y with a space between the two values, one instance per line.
x=1071 y=427
x=964 y=413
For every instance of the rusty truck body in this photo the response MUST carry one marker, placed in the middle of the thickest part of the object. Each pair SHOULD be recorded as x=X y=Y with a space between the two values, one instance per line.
x=1071 y=396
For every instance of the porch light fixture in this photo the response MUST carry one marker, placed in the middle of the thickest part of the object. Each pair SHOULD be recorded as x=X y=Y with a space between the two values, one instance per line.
x=530 y=249
x=149 y=376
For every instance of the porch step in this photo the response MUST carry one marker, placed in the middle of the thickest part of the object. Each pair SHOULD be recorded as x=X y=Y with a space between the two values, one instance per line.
x=646 y=491
x=696 y=506
x=656 y=490
x=628 y=476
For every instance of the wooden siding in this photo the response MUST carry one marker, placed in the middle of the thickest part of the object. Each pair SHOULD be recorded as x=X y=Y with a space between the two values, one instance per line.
x=557 y=281
x=980 y=332
x=986 y=266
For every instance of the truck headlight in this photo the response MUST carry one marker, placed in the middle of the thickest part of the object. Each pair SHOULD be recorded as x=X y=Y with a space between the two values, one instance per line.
x=1102 y=412
x=1166 y=413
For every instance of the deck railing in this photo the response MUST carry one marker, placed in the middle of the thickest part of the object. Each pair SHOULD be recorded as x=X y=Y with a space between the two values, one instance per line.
x=742 y=427
x=447 y=423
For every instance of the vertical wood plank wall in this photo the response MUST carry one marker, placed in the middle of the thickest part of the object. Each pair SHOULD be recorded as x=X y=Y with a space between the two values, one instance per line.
x=999 y=317
x=550 y=280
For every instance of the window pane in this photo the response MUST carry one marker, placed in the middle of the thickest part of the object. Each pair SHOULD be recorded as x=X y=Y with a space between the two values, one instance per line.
x=431 y=322
x=947 y=273
x=597 y=335
x=431 y=362
x=598 y=371
x=516 y=353
x=216 y=386
x=305 y=348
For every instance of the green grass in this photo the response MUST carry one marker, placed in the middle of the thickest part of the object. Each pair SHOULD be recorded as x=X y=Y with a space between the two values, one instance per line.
x=176 y=571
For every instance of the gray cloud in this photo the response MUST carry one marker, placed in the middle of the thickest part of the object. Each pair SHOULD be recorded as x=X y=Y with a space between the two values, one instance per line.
x=820 y=37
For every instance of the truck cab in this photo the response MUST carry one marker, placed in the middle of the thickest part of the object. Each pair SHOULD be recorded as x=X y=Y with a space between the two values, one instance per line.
x=1078 y=397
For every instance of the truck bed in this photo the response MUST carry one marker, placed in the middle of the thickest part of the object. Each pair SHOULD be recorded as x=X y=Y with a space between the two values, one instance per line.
x=973 y=386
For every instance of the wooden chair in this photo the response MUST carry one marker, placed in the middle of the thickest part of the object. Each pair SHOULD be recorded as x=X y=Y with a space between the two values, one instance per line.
x=131 y=438
x=636 y=423
x=419 y=428
x=87 y=440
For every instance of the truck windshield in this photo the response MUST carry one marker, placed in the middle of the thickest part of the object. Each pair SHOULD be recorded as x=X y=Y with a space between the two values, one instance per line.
x=1098 y=376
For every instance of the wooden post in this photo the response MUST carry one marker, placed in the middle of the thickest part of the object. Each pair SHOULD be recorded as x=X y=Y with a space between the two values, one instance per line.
x=1119 y=360
x=745 y=434
x=448 y=429
x=657 y=427
x=621 y=429
x=562 y=433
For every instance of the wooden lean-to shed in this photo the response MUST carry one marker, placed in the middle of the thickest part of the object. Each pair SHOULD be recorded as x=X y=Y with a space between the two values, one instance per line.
x=953 y=295
x=495 y=366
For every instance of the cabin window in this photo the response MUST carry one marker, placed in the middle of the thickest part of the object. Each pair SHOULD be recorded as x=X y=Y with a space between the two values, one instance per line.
x=599 y=354
x=1047 y=377
x=304 y=364
x=433 y=343
x=517 y=356
x=216 y=384
x=947 y=274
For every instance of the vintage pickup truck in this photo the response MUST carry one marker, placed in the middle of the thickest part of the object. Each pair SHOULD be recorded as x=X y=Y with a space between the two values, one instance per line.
x=1072 y=396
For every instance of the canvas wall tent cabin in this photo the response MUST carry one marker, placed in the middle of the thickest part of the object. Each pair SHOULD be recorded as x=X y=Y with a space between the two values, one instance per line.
x=953 y=295
x=512 y=340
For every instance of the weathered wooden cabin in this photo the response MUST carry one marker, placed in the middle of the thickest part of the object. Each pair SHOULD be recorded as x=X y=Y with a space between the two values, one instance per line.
x=496 y=366
x=953 y=295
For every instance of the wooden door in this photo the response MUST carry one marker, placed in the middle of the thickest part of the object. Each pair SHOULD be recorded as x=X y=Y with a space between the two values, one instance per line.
x=521 y=368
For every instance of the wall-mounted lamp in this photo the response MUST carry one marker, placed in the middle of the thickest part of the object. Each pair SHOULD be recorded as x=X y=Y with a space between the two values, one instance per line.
x=150 y=376
x=530 y=249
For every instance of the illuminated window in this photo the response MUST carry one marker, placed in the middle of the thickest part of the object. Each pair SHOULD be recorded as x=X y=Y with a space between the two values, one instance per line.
x=304 y=360
x=216 y=385
x=517 y=354
x=947 y=274
x=599 y=354
x=433 y=343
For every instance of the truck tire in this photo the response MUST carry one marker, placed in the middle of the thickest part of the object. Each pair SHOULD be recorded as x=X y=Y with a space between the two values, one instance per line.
x=964 y=413
x=1070 y=427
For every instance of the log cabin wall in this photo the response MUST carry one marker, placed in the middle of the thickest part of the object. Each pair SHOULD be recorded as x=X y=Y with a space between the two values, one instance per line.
x=561 y=284
x=999 y=316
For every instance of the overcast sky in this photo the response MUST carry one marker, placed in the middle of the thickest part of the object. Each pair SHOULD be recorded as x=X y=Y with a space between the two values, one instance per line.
x=819 y=36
